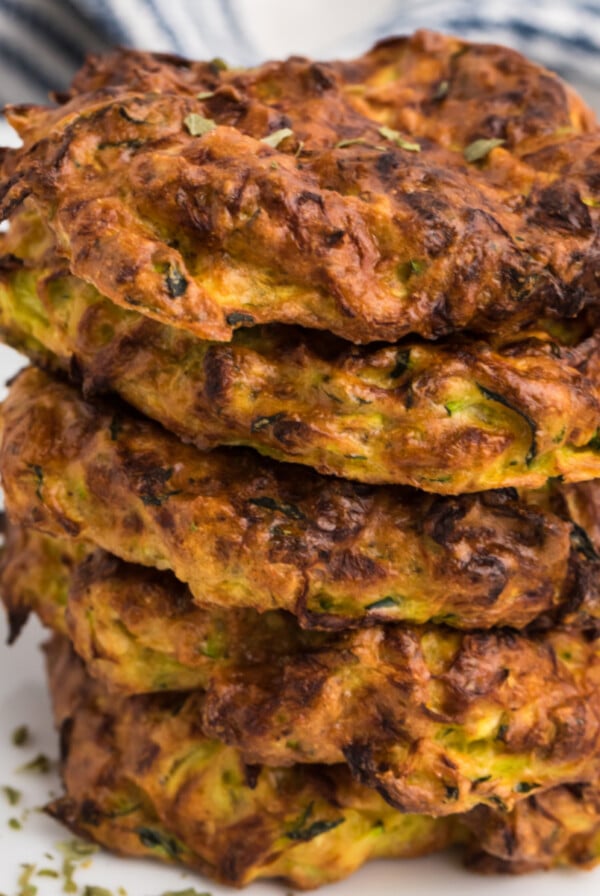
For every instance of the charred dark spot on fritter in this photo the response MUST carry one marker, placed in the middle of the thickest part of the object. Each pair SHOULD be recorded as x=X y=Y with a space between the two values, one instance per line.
x=91 y=814
x=18 y=614
x=442 y=518
x=219 y=372
x=147 y=757
x=64 y=738
x=240 y=317
x=290 y=433
x=152 y=485
x=309 y=196
x=433 y=212
x=67 y=524
x=359 y=756
x=175 y=282
x=401 y=364
x=560 y=206
x=334 y=238
x=489 y=570
x=251 y=775
x=247 y=842
x=477 y=670
x=133 y=523
x=304 y=684
x=10 y=263
x=228 y=105
x=346 y=565
x=386 y=165
x=322 y=76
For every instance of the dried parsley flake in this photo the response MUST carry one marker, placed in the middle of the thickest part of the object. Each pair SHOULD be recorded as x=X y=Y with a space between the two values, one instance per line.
x=479 y=149
x=40 y=765
x=20 y=736
x=273 y=140
x=197 y=125
x=397 y=138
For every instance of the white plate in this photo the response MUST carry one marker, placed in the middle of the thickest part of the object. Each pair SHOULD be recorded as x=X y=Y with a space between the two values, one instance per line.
x=23 y=700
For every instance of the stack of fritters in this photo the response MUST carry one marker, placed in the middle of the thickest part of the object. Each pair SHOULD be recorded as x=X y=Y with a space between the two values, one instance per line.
x=384 y=270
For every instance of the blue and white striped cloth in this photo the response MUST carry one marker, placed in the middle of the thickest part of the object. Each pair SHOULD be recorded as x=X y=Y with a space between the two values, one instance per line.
x=42 y=42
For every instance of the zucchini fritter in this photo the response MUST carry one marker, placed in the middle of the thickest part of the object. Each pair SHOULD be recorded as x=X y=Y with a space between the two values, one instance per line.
x=437 y=721
x=356 y=197
x=446 y=418
x=243 y=531
x=137 y=629
x=558 y=827
x=142 y=779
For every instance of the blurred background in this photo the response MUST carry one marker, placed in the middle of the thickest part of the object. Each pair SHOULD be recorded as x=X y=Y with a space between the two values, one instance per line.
x=42 y=42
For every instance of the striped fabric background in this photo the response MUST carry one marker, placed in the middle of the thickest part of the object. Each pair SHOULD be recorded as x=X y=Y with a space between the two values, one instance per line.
x=43 y=41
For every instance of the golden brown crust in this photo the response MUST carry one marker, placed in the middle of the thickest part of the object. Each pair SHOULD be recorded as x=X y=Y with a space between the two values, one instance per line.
x=465 y=416
x=558 y=827
x=242 y=531
x=122 y=755
x=35 y=574
x=341 y=226
x=138 y=630
x=142 y=779
x=437 y=721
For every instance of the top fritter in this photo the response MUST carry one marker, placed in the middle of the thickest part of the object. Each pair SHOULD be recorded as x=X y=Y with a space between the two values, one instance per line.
x=428 y=187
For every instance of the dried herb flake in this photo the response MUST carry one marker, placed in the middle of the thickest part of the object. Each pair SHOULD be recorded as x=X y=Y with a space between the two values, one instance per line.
x=315 y=830
x=68 y=872
x=525 y=787
x=76 y=850
x=441 y=91
x=479 y=149
x=397 y=138
x=358 y=141
x=289 y=510
x=273 y=140
x=219 y=64
x=20 y=736
x=198 y=125
x=189 y=892
x=40 y=765
x=12 y=795
x=26 y=888
x=153 y=839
